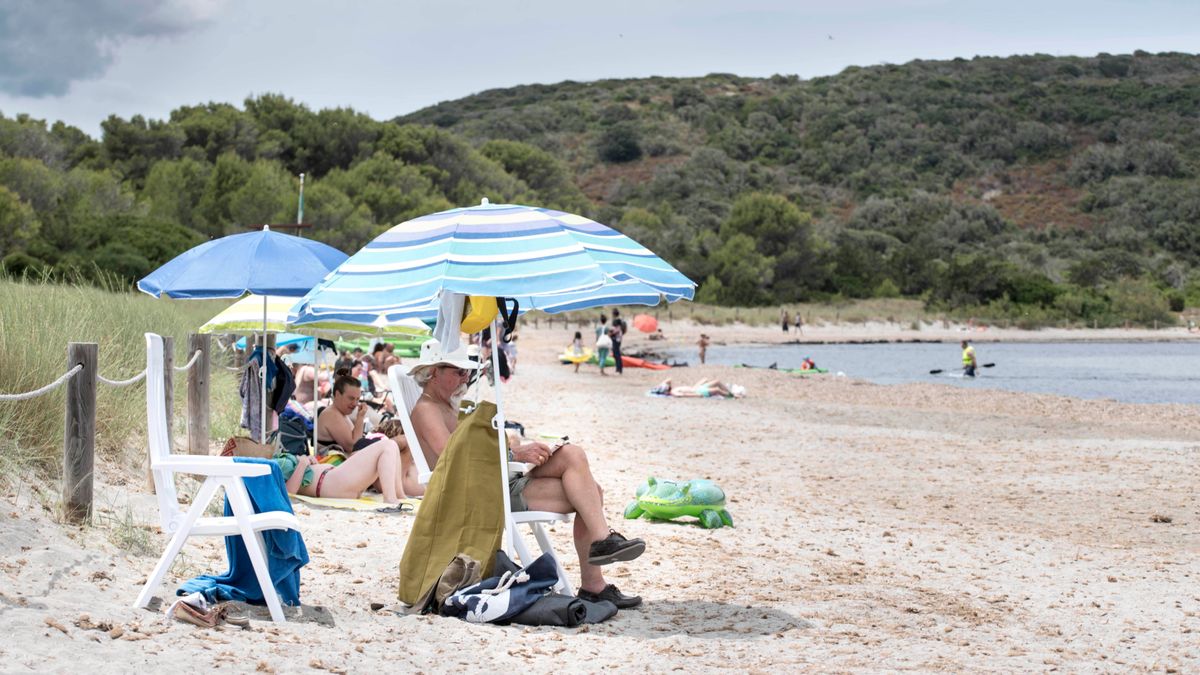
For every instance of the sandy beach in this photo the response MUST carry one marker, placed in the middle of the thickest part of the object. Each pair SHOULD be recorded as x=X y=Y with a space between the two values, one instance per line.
x=917 y=527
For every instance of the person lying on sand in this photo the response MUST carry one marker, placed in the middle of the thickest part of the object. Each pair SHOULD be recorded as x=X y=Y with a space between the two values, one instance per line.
x=561 y=481
x=704 y=388
x=306 y=476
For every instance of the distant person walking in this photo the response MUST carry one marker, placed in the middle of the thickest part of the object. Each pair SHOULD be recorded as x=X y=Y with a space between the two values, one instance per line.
x=617 y=333
x=702 y=343
x=968 y=359
x=799 y=324
x=603 y=344
x=786 y=320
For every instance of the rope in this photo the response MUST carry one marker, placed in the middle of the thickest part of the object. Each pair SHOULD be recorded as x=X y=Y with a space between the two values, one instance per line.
x=44 y=390
x=189 y=364
x=122 y=383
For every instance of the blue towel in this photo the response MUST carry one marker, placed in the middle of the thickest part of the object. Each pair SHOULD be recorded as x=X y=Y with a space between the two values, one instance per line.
x=285 y=549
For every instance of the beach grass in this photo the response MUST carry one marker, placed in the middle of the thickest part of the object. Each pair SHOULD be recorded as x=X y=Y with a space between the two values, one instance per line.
x=39 y=318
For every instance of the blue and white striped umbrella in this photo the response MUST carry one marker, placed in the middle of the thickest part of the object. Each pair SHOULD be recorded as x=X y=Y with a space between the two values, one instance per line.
x=546 y=259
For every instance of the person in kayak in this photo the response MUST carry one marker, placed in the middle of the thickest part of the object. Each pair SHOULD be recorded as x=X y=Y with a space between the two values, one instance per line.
x=968 y=359
x=808 y=364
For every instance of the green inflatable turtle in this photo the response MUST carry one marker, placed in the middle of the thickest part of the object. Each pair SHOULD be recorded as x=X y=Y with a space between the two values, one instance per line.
x=665 y=500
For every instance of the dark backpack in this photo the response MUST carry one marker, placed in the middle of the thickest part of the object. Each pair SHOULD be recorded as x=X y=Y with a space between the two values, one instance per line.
x=293 y=435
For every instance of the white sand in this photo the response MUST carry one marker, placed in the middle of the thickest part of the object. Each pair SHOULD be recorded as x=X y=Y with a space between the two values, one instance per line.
x=907 y=527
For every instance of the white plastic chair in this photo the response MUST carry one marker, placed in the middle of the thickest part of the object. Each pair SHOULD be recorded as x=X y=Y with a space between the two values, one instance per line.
x=406 y=391
x=218 y=472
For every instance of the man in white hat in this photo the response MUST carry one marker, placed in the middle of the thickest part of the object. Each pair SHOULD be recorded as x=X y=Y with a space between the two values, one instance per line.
x=561 y=481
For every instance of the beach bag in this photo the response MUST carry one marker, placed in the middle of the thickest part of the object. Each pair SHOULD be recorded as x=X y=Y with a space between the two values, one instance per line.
x=293 y=435
x=244 y=446
x=604 y=341
x=498 y=599
x=462 y=510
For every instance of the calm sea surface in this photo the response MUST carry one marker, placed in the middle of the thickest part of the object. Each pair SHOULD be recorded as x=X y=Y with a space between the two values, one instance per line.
x=1136 y=372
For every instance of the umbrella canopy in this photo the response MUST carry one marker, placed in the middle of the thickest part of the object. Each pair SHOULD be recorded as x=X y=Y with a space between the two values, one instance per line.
x=645 y=323
x=246 y=316
x=262 y=262
x=546 y=259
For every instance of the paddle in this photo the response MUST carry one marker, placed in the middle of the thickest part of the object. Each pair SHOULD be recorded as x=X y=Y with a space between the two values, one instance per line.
x=935 y=371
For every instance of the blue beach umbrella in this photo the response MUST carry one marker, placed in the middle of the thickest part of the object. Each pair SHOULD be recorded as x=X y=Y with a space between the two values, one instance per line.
x=546 y=259
x=261 y=262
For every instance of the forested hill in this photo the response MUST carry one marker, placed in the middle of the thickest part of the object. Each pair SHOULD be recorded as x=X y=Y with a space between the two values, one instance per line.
x=1034 y=186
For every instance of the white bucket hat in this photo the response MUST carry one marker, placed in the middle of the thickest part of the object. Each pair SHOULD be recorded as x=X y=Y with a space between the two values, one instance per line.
x=432 y=355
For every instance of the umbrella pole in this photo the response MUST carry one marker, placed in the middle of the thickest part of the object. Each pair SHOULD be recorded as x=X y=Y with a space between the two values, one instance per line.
x=316 y=391
x=501 y=432
x=263 y=418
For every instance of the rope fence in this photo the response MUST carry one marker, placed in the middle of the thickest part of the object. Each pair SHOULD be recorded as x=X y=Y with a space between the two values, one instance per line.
x=79 y=437
x=121 y=383
x=189 y=364
x=46 y=389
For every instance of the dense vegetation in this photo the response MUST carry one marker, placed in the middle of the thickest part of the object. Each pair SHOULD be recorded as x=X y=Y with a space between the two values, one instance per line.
x=1029 y=188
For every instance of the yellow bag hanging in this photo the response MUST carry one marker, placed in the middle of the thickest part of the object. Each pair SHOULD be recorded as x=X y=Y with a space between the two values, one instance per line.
x=479 y=313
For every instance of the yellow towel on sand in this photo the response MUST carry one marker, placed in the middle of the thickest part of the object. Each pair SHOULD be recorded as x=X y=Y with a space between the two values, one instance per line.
x=374 y=503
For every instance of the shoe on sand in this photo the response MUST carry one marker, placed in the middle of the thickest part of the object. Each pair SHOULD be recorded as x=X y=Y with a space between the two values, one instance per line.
x=612 y=594
x=615 y=548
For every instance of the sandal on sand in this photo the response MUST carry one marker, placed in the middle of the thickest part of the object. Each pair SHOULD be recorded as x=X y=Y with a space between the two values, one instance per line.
x=194 y=609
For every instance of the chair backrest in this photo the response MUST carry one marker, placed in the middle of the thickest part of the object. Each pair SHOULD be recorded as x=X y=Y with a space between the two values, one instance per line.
x=406 y=392
x=156 y=432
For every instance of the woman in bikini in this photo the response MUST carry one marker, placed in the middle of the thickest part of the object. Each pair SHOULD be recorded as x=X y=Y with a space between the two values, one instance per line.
x=338 y=431
x=347 y=480
x=704 y=388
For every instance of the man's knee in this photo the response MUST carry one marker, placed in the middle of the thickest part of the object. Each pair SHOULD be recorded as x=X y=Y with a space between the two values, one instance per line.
x=574 y=454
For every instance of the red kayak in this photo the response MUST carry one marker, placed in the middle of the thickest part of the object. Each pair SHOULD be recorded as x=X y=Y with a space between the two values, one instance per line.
x=635 y=362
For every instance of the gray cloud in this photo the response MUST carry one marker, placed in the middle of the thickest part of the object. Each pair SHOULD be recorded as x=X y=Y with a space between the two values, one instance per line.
x=47 y=44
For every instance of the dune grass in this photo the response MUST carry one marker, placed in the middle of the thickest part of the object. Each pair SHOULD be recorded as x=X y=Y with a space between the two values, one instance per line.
x=39 y=318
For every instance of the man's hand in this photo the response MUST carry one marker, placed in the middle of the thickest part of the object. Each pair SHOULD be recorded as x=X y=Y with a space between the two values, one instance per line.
x=533 y=453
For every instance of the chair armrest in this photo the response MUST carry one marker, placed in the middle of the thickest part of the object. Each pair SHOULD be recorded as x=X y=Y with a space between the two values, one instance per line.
x=213 y=466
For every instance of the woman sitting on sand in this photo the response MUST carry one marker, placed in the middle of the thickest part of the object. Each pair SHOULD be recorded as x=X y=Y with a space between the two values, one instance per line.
x=704 y=388
x=561 y=481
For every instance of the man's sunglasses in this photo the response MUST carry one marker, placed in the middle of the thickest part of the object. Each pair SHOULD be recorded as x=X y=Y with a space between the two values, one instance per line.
x=461 y=372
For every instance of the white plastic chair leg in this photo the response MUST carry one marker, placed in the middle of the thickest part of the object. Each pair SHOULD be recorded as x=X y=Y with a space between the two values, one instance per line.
x=239 y=502
x=523 y=552
x=543 y=540
x=203 y=496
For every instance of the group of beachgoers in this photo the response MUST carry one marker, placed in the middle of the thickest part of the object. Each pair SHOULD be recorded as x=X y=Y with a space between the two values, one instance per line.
x=352 y=455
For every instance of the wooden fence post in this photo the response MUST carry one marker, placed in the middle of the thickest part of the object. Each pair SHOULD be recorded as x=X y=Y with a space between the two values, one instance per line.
x=79 y=437
x=197 y=395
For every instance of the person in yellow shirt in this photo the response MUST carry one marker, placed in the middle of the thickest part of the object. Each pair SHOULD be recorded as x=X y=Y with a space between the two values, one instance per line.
x=968 y=359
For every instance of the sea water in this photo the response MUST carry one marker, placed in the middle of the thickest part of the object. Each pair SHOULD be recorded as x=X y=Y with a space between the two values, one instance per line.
x=1135 y=372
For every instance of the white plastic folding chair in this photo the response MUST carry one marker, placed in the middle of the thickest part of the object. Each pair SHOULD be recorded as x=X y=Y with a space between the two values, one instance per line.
x=218 y=472
x=406 y=391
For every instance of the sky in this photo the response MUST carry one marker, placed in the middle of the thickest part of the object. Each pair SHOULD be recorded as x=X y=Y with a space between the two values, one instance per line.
x=82 y=60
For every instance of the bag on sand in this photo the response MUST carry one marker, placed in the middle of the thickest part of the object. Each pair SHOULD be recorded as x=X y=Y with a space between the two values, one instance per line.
x=462 y=510
x=498 y=599
x=242 y=446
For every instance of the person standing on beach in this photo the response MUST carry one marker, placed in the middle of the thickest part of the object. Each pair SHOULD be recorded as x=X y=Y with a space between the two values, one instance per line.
x=617 y=334
x=799 y=324
x=702 y=343
x=968 y=359
x=786 y=320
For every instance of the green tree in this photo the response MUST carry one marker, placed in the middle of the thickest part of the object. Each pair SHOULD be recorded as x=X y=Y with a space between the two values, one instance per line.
x=18 y=224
